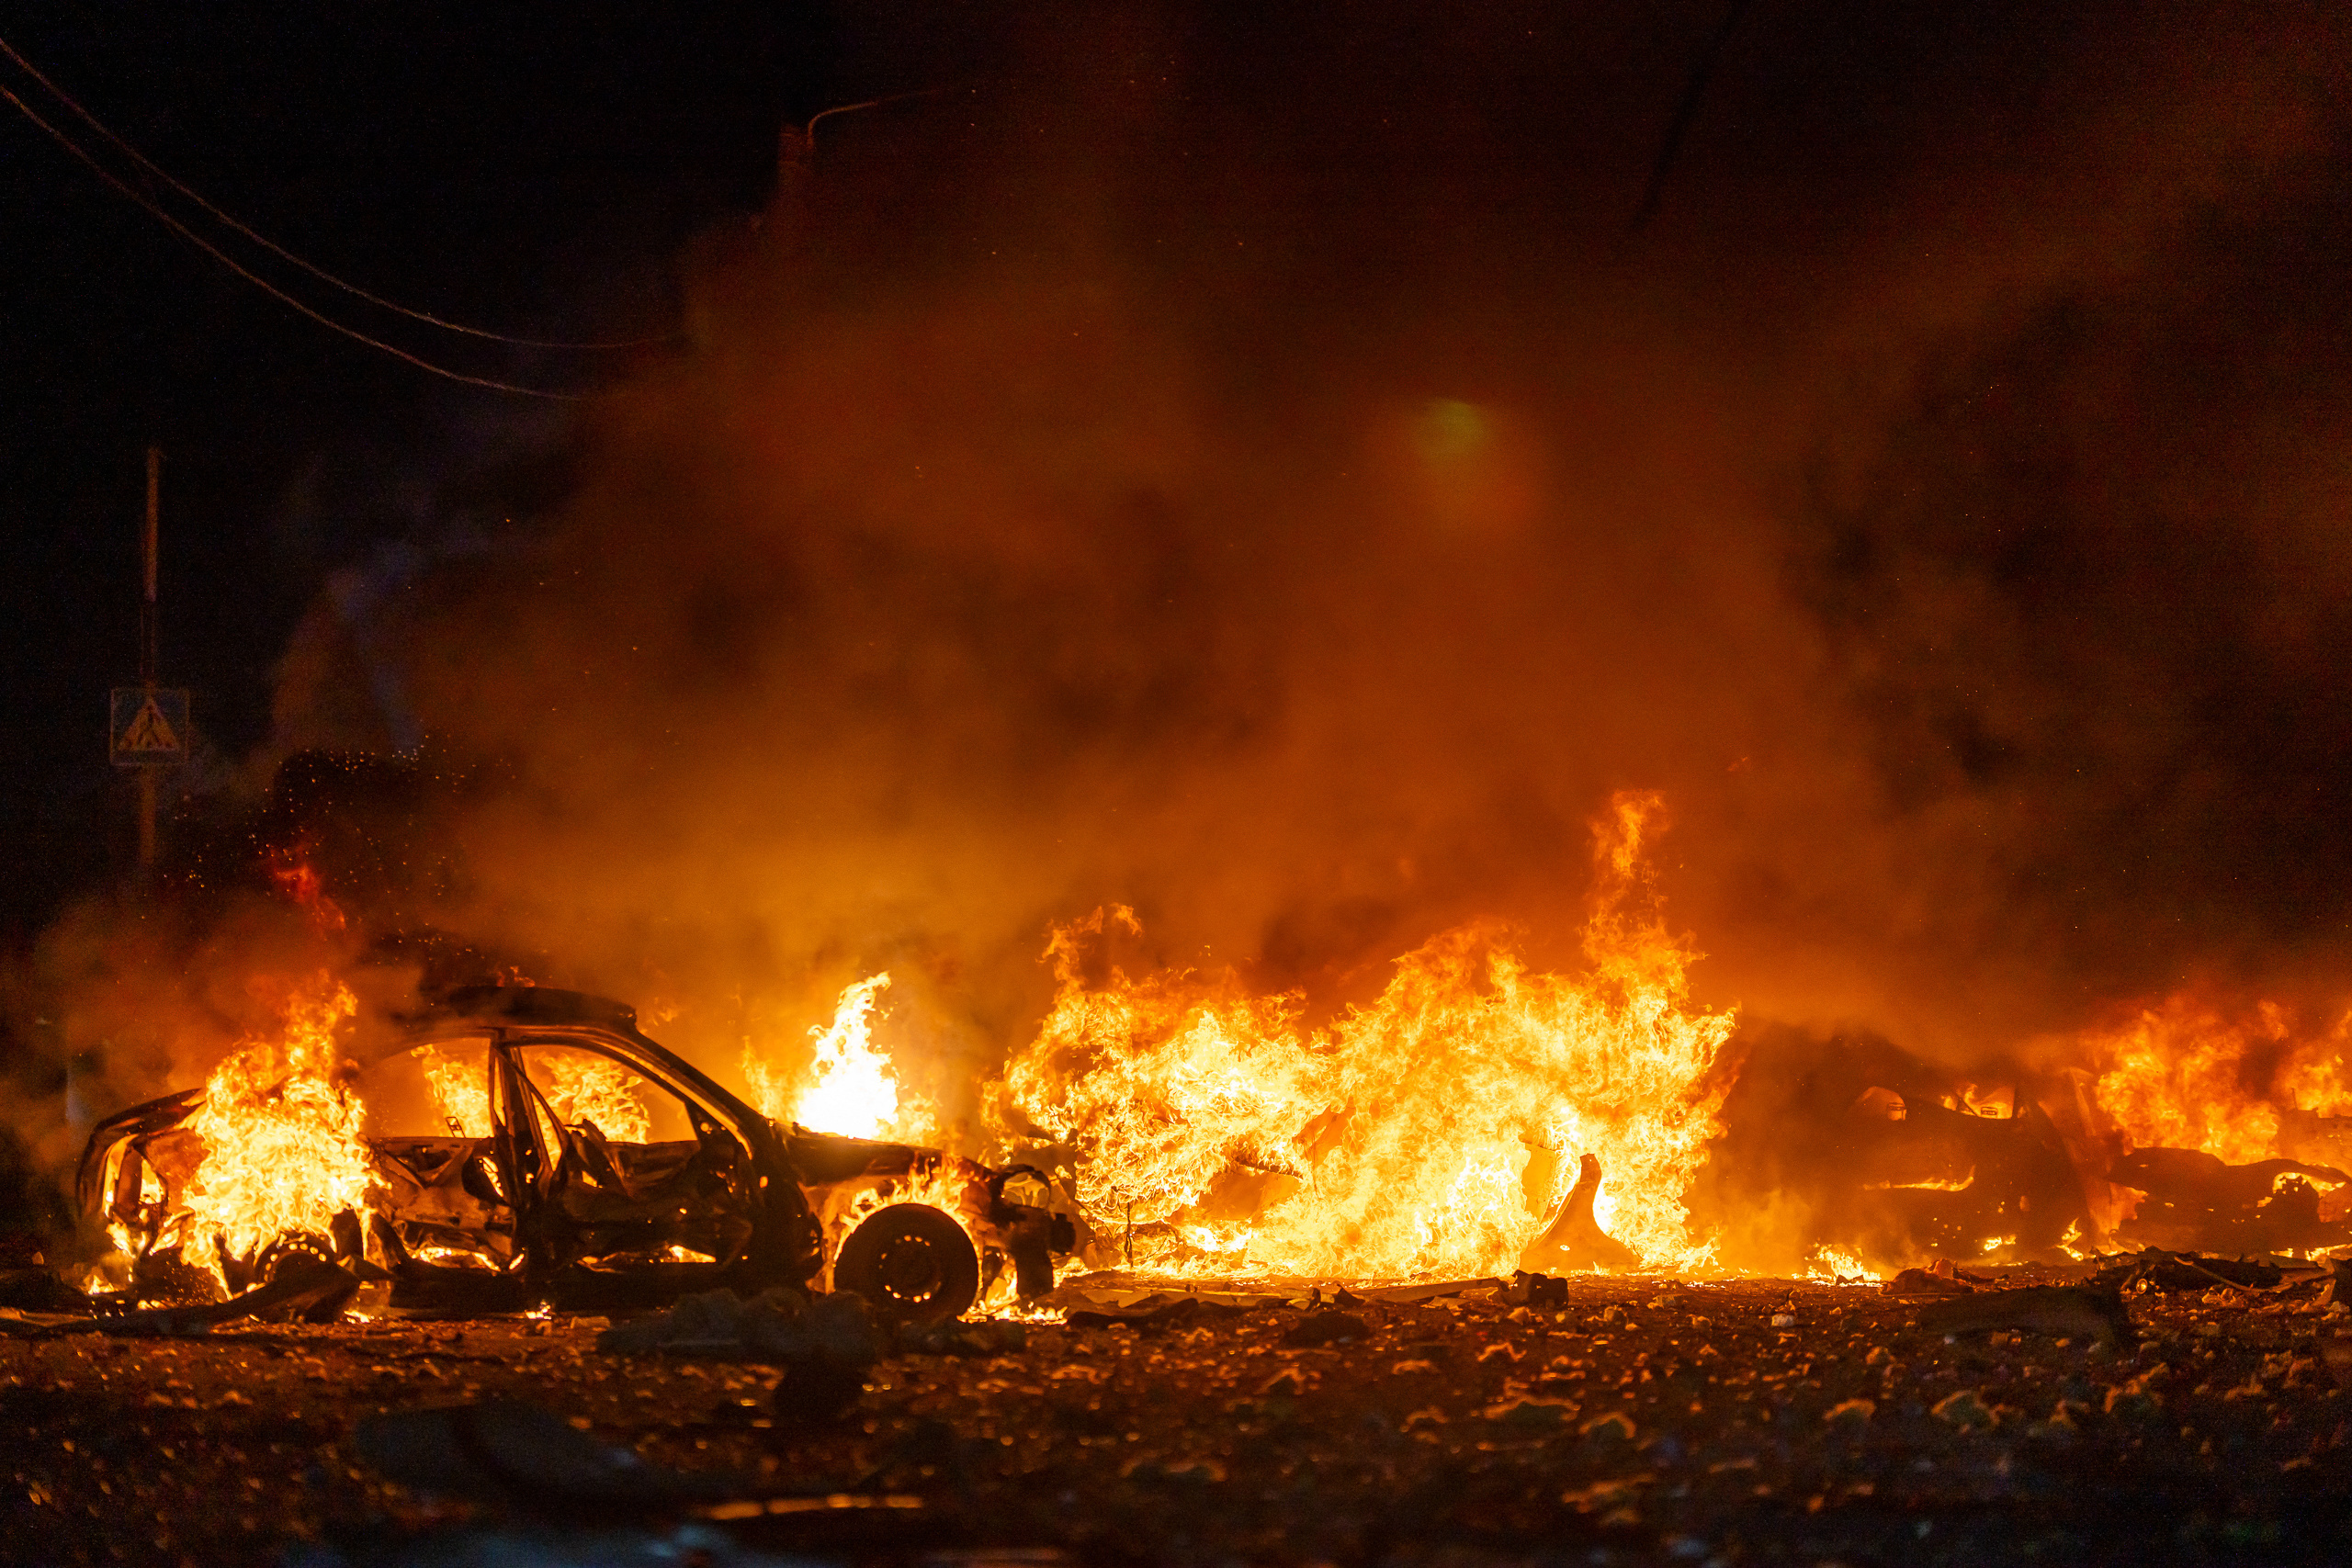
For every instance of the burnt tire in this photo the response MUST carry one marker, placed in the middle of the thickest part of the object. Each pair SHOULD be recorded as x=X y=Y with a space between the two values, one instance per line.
x=293 y=1250
x=911 y=1263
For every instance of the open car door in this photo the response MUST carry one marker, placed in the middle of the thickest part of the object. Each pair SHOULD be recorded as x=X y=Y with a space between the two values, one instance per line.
x=634 y=1192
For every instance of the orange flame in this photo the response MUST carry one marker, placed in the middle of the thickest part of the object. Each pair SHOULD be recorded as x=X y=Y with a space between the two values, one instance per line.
x=1432 y=1131
x=2183 y=1076
x=461 y=1091
x=581 y=1086
x=282 y=1145
x=850 y=1088
x=1832 y=1263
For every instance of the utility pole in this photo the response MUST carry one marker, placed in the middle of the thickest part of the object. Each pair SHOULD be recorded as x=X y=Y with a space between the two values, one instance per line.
x=148 y=542
x=147 y=725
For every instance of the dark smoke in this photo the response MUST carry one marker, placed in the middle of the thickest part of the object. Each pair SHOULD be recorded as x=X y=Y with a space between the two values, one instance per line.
x=1238 y=465
x=1241 y=475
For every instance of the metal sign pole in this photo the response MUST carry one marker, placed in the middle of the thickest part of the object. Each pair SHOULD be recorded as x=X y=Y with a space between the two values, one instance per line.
x=147 y=629
x=147 y=725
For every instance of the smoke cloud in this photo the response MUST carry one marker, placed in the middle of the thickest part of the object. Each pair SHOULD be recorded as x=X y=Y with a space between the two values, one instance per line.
x=1247 y=471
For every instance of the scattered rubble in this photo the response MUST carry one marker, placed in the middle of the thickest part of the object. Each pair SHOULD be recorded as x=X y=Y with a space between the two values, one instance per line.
x=1331 y=1326
x=779 y=1326
x=2086 y=1310
x=1467 y=1425
x=824 y=1346
x=506 y=1450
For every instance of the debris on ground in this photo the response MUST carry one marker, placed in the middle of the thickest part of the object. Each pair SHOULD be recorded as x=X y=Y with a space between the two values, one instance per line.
x=1328 y=1328
x=1153 y=1313
x=1928 y=1282
x=780 y=1324
x=544 y=1545
x=952 y=1337
x=825 y=1345
x=308 y=1289
x=1965 y=1410
x=1642 y=1420
x=2086 y=1310
x=1535 y=1291
x=509 y=1451
x=39 y=1288
x=1942 y=1277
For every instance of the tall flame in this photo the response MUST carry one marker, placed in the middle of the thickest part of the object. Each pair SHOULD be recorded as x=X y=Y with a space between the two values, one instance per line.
x=850 y=1088
x=282 y=1144
x=1434 y=1130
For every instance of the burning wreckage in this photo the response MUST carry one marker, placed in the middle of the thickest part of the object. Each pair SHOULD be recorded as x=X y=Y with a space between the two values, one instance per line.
x=524 y=1147
x=652 y=1302
x=1898 y=1162
x=528 y=1148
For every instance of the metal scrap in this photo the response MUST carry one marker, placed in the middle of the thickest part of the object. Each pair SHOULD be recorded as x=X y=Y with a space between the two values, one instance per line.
x=309 y=1289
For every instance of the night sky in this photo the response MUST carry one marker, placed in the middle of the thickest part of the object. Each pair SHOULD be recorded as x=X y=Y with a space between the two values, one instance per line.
x=502 y=168
x=1257 y=463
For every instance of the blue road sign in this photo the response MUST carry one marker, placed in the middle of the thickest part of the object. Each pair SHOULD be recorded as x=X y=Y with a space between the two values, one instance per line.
x=148 y=725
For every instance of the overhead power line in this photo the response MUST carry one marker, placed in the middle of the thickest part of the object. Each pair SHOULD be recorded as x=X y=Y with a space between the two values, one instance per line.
x=809 y=130
x=274 y=248
x=1686 y=111
x=193 y=238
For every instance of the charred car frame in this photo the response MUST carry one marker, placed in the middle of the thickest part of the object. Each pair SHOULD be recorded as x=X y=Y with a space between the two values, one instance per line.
x=497 y=1190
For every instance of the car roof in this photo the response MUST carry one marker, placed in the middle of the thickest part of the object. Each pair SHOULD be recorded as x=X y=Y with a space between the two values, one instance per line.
x=530 y=1004
x=510 y=1008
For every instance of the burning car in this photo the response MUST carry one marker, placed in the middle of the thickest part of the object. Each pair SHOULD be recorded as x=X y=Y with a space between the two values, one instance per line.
x=523 y=1145
x=1896 y=1159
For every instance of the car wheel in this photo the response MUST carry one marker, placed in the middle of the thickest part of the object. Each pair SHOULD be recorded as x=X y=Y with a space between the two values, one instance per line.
x=290 y=1250
x=293 y=1252
x=911 y=1262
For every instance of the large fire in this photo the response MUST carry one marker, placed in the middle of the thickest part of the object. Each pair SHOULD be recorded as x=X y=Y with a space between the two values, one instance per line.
x=850 y=1088
x=1436 y=1129
x=1477 y=1116
x=581 y=1086
x=2183 y=1075
x=283 y=1151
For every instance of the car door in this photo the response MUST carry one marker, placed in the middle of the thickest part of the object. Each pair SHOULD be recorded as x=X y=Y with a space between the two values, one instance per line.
x=627 y=1177
x=446 y=1199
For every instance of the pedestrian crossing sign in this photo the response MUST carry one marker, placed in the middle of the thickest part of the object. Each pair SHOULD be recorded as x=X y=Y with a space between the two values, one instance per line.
x=148 y=725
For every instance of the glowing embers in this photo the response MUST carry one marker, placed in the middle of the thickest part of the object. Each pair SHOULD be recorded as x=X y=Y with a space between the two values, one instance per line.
x=850 y=1088
x=281 y=1137
x=2182 y=1076
x=1435 y=1130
